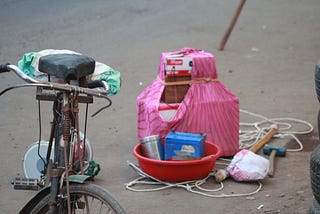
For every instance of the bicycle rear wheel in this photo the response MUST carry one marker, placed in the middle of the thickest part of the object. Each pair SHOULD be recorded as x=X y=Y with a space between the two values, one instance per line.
x=85 y=198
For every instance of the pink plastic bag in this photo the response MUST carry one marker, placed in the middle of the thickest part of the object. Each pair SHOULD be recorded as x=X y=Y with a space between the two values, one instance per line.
x=248 y=166
x=208 y=107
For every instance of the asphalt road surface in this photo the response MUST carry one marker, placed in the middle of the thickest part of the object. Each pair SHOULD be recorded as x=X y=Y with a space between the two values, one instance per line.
x=268 y=62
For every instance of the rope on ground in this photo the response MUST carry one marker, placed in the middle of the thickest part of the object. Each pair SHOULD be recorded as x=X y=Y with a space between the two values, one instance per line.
x=257 y=130
x=188 y=185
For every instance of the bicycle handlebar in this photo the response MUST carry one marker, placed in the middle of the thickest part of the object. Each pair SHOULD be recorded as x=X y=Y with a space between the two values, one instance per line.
x=51 y=85
x=4 y=68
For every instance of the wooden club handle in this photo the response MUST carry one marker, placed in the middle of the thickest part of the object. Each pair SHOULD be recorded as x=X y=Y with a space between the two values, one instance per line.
x=265 y=139
x=271 y=163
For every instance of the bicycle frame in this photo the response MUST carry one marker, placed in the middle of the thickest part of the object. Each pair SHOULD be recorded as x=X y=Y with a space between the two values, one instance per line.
x=67 y=108
x=65 y=126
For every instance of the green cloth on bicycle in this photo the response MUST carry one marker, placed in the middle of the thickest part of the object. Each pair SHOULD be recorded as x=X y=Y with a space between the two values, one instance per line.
x=30 y=61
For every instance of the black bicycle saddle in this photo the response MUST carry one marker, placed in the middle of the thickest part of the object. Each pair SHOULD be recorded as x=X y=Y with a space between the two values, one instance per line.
x=67 y=66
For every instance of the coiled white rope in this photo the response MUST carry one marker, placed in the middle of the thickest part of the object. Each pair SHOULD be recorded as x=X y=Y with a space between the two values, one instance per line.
x=247 y=139
x=188 y=185
x=258 y=129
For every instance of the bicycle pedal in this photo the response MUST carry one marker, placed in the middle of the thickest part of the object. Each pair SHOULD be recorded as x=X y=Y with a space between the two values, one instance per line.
x=25 y=184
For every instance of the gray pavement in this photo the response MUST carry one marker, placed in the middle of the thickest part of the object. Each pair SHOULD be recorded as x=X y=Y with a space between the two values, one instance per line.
x=268 y=63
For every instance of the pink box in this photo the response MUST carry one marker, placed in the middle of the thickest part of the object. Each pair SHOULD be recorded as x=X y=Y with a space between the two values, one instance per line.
x=208 y=106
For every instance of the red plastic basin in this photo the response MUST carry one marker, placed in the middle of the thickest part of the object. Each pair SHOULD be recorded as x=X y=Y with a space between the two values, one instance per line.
x=179 y=171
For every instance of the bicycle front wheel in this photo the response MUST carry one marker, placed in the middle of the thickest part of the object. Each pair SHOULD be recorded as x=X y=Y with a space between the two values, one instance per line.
x=85 y=198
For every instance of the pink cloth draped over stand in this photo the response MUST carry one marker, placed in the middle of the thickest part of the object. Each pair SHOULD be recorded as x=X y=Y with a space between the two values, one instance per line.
x=208 y=107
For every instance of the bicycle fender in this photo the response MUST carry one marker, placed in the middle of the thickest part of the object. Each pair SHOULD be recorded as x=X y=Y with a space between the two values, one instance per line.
x=78 y=178
x=30 y=205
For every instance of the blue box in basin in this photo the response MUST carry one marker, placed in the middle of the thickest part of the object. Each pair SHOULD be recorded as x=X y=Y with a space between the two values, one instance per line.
x=182 y=144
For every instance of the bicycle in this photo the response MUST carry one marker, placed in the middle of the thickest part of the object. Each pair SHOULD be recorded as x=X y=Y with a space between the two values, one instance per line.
x=63 y=185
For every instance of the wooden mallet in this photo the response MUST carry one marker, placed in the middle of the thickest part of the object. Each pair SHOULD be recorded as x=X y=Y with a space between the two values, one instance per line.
x=273 y=151
x=222 y=174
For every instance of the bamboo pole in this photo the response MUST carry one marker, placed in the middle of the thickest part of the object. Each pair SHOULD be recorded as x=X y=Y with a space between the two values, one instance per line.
x=231 y=25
